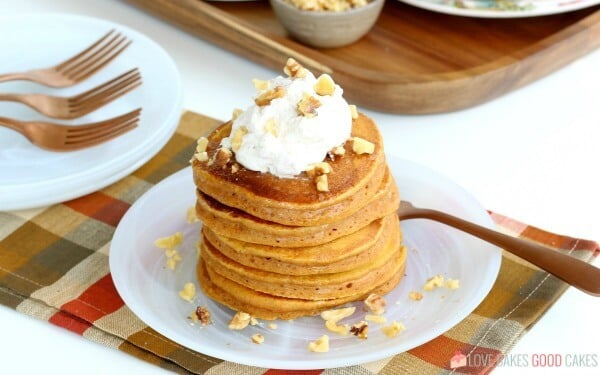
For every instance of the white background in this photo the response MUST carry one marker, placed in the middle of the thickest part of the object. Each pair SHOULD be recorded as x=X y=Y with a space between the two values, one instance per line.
x=532 y=155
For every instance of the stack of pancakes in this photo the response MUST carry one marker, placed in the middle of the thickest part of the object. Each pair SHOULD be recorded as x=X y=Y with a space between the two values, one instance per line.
x=280 y=248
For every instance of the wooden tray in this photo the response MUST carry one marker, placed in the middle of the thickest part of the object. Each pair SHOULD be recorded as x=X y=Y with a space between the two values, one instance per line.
x=413 y=61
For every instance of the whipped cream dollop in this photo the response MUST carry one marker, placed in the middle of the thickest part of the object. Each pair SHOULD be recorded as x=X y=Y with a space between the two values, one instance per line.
x=290 y=126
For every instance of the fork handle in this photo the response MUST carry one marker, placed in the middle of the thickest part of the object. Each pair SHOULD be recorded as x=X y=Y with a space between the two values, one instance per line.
x=14 y=77
x=14 y=125
x=575 y=272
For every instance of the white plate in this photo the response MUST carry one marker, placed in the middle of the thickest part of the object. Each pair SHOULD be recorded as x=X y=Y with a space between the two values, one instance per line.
x=502 y=9
x=32 y=177
x=151 y=291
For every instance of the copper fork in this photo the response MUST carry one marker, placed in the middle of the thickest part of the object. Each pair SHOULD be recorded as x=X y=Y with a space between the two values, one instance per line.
x=56 y=137
x=571 y=270
x=82 y=104
x=78 y=67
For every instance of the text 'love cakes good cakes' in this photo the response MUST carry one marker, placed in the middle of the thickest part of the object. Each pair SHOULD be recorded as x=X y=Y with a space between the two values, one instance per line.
x=297 y=203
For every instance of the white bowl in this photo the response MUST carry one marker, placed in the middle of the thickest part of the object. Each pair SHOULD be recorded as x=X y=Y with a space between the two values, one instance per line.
x=327 y=29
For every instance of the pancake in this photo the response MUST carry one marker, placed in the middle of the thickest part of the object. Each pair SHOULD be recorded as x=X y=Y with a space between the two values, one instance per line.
x=353 y=282
x=264 y=306
x=339 y=255
x=295 y=201
x=234 y=223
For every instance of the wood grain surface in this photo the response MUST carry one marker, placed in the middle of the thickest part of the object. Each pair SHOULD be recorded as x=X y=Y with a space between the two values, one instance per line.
x=413 y=61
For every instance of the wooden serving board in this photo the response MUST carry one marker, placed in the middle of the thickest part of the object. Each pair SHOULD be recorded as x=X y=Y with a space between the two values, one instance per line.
x=413 y=61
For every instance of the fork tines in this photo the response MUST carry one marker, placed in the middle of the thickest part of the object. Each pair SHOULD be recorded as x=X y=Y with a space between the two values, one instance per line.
x=94 y=57
x=82 y=136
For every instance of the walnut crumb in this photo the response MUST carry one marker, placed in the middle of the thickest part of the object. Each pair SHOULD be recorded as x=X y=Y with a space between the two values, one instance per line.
x=452 y=284
x=360 y=329
x=318 y=169
x=239 y=321
x=362 y=146
x=235 y=167
x=271 y=127
x=257 y=338
x=353 y=111
x=169 y=242
x=307 y=106
x=321 y=345
x=335 y=315
x=415 y=296
x=272 y=326
x=236 y=113
x=379 y=319
x=293 y=69
x=332 y=326
x=260 y=84
x=190 y=215
x=266 y=97
x=322 y=184
x=238 y=135
x=203 y=315
x=338 y=151
x=221 y=157
x=201 y=156
x=188 y=292
x=376 y=303
x=436 y=281
x=325 y=85
x=393 y=329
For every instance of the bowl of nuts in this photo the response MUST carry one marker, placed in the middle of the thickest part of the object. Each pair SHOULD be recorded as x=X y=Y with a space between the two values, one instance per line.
x=327 y=23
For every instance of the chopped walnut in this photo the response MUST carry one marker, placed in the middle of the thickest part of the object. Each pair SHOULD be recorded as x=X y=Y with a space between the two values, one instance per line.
x=339 y=150
x=318 y=169
x=169 y=242
x=360 y=329
x=415 y=296
x=335 y=315
x=235 y=167
x=272 y=326
x=190 y=215
x=271 y=127
x=236 y=140
x=201 y=156
x=260 y=84
x=307 y=106
x=335 y=328
x=221 y=157
x=201 y=144
x=203 y=315
x=362 y=146
x=376 y=304
x=322 y=184
x=379 y=319
x=293 y=69
x=188 y=292
x=393 y=329
x=257 y=338
x=266 y=97
x=321 y=345
x=436 y=281
x=253 y=321
x=236 y=113
x=325 y=85
x=353 y=111
x=239 y=321
x=452 y=284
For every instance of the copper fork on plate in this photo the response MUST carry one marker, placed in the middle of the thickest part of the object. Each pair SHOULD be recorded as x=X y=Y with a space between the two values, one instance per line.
x=571 y=270
x=56 y=137
x=78 y=67
x=82 y=104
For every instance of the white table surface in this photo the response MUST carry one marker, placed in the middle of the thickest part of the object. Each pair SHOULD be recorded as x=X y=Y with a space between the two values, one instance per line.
x=532 y=155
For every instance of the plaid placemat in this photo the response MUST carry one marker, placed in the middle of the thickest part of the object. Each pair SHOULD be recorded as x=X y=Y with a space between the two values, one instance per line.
x=54 y=266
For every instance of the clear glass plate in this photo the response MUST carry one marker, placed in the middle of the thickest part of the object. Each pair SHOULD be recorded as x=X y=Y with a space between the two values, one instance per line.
x=150 y=290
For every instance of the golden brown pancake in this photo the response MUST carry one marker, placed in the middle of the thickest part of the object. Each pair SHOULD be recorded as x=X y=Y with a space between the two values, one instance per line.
x=268 y=307
x=356 y=281
x=295 y=201
x=230 y=222
x=342 y=254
